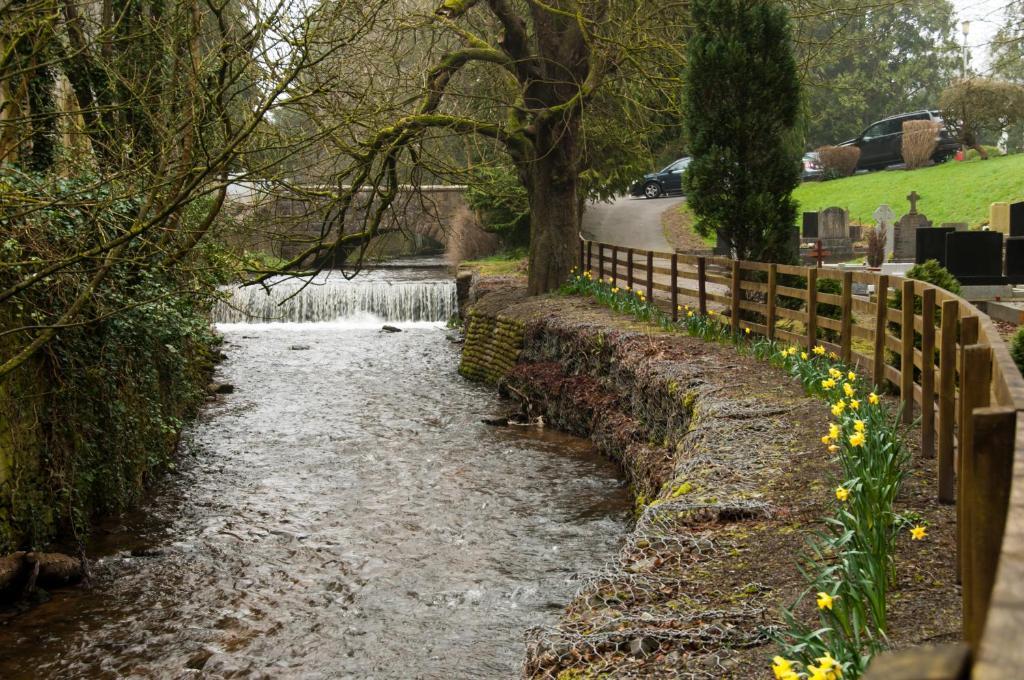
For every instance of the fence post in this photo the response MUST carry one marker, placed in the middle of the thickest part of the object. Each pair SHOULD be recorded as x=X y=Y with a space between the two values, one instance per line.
x=773 y=271
x=928 y=372
x=702 y=290
x=968 y=336
x=650 y=275
x=846 y=325
x=629 y=269
x=734 y=311
x=812 y=307
x=881 y=300
x=947 y=394
x=615 y=265
x=600 y=261
x=675 y=290
x=975 y=361
x=590 y=254
x=988 y=500
x=581 y=255
x=907 y=351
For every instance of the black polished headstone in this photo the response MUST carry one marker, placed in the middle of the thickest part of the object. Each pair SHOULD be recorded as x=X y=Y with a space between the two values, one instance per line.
x=1017 y=219
x=1015 y=259
x=975 y=258
x=931 y=244
x=810 y=226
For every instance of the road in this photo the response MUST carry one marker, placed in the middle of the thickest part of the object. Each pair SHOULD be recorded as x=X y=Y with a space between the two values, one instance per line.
x=629 y=222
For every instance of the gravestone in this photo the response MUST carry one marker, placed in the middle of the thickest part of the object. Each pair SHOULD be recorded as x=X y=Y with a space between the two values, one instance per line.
x=975 y=258
x=810 y=226
x=999 y=217
x=884 y=217
x=1017 y=219
x=931 y=244
x=856 y=232
x=1015 y=259
x=905 y=231
x=834 y=232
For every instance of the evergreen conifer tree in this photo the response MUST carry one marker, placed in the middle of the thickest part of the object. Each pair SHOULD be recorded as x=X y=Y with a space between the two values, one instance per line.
x=741 y=108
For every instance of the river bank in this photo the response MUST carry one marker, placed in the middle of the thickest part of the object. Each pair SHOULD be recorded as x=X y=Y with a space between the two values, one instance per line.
x=730 y=477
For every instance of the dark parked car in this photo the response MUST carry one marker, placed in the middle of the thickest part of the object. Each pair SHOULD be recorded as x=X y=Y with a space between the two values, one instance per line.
x=812 y=168
x=667 y=181
x=881 y=144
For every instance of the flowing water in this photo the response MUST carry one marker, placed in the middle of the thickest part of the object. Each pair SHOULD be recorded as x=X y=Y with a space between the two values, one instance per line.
x=343 y=514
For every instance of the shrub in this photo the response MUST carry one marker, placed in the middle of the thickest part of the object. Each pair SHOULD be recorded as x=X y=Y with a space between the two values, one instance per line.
x=838 y=161
x=920 y=137
x=1017 y=348
x=876 y=238
x=934 y=273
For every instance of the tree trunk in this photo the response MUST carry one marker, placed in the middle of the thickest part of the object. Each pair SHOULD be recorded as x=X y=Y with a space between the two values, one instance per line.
x=554 y=214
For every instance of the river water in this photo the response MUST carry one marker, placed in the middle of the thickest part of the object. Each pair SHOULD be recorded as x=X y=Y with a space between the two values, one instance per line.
x=343 y=513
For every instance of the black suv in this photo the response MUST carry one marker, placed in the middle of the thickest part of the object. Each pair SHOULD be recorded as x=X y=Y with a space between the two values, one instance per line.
x=881 y=144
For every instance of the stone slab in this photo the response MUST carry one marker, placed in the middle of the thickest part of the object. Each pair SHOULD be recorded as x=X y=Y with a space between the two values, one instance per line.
x=975 y=258
x=999 y=217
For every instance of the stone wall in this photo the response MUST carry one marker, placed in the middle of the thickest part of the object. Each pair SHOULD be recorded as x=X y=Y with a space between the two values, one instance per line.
x=492 y=347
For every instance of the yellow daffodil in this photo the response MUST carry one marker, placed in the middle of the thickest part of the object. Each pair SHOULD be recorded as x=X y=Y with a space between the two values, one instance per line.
x=858 y=426
x=689 y=314
x=783 y=668
x=824 y=600
x=851 y=376
x=854 y=404
x=832 y=448
x=833 y=356
x=848 y=390
x=833 y=431
x=827 y=669
x=615 y=290
x=835 y=374
x=828 y=662
x=712 y=312
x=819 y=350
x=747 y=331
x=857 y=439
x=820 y=673
x=838 y=408
x=803 y=355
x=826 y=439
x=842 y=494
x=918 y=533
x=828 y=383
x=872 y=398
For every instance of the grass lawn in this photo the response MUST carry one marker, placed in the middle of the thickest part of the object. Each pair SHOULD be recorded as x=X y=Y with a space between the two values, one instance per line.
x=950 y=192
x=506 y=263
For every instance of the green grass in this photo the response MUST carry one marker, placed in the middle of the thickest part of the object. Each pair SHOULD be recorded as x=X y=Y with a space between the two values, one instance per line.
x=502 y=264
x=950 y=192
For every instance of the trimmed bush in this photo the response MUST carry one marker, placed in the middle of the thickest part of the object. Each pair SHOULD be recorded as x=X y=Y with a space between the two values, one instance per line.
x=935 y=274
x=875 y=238
x=838 y=161
x=1017 y=348
x=920 y=137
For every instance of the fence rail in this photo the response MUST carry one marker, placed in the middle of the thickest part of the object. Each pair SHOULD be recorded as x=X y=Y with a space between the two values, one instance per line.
x=948 y=364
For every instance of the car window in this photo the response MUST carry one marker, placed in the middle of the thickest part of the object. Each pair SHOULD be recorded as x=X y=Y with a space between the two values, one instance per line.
x=886 y=127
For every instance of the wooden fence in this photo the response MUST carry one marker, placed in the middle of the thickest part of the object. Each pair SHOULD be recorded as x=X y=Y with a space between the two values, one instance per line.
x=949 y=365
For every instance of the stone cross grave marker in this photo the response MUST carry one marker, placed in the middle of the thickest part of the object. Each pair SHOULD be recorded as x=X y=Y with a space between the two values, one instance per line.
x=884 y=217
x=905 y=231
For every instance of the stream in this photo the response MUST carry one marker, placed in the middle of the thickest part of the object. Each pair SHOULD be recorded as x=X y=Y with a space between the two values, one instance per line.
x=344 y=513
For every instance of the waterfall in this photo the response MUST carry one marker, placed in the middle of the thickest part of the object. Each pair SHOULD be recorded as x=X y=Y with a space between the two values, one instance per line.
x=332 y=298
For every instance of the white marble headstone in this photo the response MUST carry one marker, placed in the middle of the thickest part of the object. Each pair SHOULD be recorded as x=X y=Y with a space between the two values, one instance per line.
x=884 y=217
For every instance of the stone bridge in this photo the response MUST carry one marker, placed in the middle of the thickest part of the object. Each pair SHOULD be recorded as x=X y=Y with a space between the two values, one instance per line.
x=426 y=219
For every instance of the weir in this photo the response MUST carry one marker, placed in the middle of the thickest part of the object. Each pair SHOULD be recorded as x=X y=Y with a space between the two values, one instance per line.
x=330 y=297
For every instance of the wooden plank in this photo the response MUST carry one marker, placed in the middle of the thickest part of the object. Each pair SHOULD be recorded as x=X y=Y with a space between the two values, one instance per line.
x=881 y=298
x=786 y=291
x=754 y=266
x=785 y=313
x=787 y=336
x=724 y=281
x=650 y=275
x=947 y=394
x=907 y=352
x=846 y=323
x=928 y=373
x=831 y=324
x=812 y=306
x=893 y=315
x=867 y=278
x=975 y=361
x=702 y=274
x=829 y=298
x=864 y=306
x=863 y=333
x=752 y=306
x=734 y=320
x=675 y=291
x=723 y=300
x=772 y=276
x=987 y=500
x=790 y=269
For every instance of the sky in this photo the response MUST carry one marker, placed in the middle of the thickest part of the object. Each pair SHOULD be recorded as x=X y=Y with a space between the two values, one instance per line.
x=985 y=17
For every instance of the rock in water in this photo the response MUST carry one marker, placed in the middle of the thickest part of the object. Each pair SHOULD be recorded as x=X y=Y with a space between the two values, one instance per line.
x=390 y=329
x=56 y=569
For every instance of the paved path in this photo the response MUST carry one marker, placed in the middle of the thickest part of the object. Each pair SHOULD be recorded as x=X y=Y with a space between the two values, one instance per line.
x=629 y=222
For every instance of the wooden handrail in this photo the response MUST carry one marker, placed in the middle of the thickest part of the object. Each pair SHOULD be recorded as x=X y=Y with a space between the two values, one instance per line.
x=983 y=416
